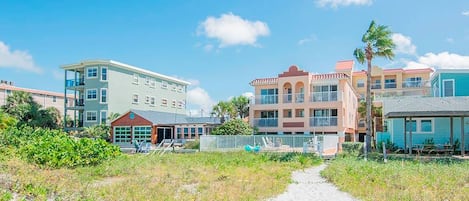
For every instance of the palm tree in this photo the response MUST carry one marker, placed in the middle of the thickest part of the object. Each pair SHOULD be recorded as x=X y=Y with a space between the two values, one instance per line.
x=112 y=116
x=223 y=109
x=378 y=42
x=241 y=104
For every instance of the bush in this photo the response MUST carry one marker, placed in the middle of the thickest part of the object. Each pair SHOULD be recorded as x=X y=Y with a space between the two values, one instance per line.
x=233 y=127
x=192 y=144
x=54 y=148
x=388 y=144
x=352 y=148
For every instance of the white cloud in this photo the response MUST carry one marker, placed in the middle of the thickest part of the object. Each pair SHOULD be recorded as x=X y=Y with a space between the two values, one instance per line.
x=337 y=3
x=403 y=44
x=17 y=59
x=231 y=30
x=465 y=13
x=440 y=60
x=199 y=98
x=309 y=39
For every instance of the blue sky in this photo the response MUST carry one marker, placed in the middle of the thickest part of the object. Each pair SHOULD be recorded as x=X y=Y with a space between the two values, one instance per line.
x=220 y=46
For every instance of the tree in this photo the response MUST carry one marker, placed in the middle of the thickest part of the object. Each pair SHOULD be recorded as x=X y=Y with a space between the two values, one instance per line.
x=376 y=112
x=241 y=105
x=113 y=116
x=6 y=121
x=378 y=42
x=223 y=109
x=233 y=127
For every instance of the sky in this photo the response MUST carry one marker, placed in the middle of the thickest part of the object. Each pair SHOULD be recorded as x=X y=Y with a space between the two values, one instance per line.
x=220 y=46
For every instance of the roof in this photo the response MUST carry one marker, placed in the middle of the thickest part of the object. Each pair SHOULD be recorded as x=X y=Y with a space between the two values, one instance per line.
x=396 y=70
x=329 y=76
x=32 y=91
x=439 y=71
x=172 y=118
x=344 y=65
x=264 y=81
x=123 y=66
x=426 y=107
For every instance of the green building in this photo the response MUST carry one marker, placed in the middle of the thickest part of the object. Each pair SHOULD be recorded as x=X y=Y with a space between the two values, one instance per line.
x=102 y=87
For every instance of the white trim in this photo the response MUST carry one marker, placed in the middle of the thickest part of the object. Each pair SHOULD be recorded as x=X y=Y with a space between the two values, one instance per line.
x=91 y=67
x=133 y=99
x=86 y=116
x=101 y=95
x=154 y=101
x=101 y=74
x=147 y=80
x=418 y=123
x=164 y=102
x=86 y=95
x=101 y=117
x=147 y=99
x=443 y=88
x=173 y=103
x=164 y=84
x=153 y=83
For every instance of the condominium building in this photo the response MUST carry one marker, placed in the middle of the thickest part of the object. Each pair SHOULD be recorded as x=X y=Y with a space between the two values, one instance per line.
x=299 y=102
x=44 y=98
x=102 y=87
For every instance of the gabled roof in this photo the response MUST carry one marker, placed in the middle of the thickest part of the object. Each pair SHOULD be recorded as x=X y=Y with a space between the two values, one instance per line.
x=123 y=66
x=426 y=107
x=165 y=118
x=449 y=71
x=264 y=81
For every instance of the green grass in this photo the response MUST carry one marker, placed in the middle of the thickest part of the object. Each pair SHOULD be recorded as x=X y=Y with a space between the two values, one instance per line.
x=198 y=176
x=401 y=179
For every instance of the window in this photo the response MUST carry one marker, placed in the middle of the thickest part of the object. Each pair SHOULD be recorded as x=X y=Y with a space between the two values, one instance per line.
x=421 y=126
x=436 y=90
x=180 y=88
x=360 y=83
x=390 y=83
x=152 y=83
x=54 y=99
x=91 y=116
x=448 y=88
x=92 y=72
x=103 y=73
x=178 y=132
x=103 y=116
x=164 y=84
x=135 y=78
x=200 y=130
x=91 y=94
x=186 y=132
x=426 y=125
x=147 y=80
x=192 y=132
x=413 y=82
x=411 y=125
x=147 y=99
x=135 y=98
x=322 y=93
x=324 y=117
x=103 y=95
x=287 y=113
x=122 y=134
x=173 y=88
x=269 y=96
x=299 y=113
x=164 y=102
x=173 y=103
x=152 y=101
x=180 y=104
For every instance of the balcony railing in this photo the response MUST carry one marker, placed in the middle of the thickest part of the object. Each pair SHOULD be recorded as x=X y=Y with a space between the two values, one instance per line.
x=413 y=84
x=287 y=98
x=267 y=99
x=390 y=85
x=75 y=83
x=266 y=122
x=299 y=97
x=324 y=96
x=376 y=86
x=80 y=102
x=322 y=121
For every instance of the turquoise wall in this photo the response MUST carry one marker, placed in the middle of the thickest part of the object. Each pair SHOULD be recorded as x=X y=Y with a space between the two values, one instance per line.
x=461 y=82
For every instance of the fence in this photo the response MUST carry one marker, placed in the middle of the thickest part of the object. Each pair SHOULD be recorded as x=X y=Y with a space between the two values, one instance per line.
x=323 y=144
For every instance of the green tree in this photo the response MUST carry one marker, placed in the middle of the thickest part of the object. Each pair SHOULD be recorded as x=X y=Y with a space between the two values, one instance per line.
x=6 y=121
x=378 y=42
x=112 y=116
x=101 y=131
x=233 y=127
x=241 y=105
x=223 y=109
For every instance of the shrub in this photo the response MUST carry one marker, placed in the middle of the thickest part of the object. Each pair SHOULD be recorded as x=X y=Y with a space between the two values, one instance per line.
x=388 y=144
x=352 y=148
x=192 y=145
x=233 y=127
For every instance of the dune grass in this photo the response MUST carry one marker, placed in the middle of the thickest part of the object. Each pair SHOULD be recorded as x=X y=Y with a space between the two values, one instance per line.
x=401 y=179
x=198 y=176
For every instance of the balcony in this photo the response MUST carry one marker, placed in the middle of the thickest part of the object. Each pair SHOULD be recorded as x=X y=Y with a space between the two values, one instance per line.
x=74 y=83
x=266 y=122
x=324 y=96
x=390 y=85
x=299 y=98
x=287 y=98
x=414 y=84
x=376 y=86
x=266 y=99
x=322 y=121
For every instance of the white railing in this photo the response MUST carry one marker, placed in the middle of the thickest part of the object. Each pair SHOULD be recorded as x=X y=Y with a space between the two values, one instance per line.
x=266 y=122
x=287 y=98
x=324 y=96
x=266 y=99
x=322 y=121
x=299 y=97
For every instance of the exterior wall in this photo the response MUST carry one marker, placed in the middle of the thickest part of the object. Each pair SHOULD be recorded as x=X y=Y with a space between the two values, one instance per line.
x=440 y=134
x=44 y=98
x=121 y=88
x=461 y=81
x=125 y=120
x=346 y=105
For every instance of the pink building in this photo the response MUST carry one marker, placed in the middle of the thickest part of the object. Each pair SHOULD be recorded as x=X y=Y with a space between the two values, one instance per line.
x=299 y=102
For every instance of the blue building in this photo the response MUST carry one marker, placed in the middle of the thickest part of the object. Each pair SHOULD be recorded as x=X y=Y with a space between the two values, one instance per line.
x=450 y=82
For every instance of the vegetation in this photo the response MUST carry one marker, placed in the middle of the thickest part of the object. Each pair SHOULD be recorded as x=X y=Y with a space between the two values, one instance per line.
x=241 y=105
x=400 y=179
x=236 y=107
x=378 y=42
x=388 y=145
x=352 y=148
x=197 y=176
x=233 y=127
x=101 y=131
x=55 y=149
x=192 y=144
x=21 y=106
